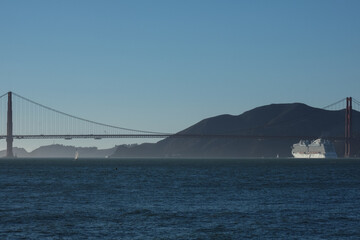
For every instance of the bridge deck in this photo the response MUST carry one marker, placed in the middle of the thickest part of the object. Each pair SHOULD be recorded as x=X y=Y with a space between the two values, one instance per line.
x=100 y=136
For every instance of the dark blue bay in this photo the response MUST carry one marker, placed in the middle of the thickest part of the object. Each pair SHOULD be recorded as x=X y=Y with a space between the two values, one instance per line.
x=179 y=199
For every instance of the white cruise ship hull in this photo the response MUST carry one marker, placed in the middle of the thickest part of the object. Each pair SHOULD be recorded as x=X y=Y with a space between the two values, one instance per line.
x=318 y=148
x=315 y=155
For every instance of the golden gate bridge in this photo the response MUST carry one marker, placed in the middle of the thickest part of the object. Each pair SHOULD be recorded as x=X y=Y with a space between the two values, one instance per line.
x=27 y=119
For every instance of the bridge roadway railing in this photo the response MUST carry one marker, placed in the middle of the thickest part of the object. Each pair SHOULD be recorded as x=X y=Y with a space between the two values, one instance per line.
x=100 y=136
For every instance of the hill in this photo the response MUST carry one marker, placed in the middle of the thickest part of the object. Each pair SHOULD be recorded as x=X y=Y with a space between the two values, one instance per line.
x=61 y=151
x=295 y=119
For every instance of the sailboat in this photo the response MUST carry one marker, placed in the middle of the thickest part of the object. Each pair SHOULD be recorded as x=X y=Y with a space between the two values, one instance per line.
x=76 y=155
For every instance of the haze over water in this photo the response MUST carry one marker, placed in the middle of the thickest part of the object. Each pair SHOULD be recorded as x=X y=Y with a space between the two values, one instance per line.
x=179 y=199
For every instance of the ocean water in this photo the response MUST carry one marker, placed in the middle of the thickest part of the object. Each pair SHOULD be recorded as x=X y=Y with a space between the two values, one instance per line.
x=179 y=199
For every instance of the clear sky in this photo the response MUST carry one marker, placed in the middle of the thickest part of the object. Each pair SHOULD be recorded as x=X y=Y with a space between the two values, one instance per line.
x=165 y=65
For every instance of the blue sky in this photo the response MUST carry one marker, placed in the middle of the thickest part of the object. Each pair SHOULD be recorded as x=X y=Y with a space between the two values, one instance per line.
x=165 y=65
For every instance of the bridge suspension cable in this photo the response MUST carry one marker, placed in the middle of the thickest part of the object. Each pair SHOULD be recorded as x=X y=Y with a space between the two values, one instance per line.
x=33 y=118
x=337 y=103
x=356 y=104
x=3 y=95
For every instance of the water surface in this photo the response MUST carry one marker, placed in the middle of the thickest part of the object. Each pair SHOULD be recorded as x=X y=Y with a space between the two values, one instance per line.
x=179 y=199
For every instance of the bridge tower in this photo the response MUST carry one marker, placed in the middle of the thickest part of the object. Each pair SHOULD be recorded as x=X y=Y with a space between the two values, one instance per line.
x=348 y=126
x=9 y=135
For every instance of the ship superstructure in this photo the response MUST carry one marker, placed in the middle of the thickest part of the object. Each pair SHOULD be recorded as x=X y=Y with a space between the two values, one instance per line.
x=319 y=148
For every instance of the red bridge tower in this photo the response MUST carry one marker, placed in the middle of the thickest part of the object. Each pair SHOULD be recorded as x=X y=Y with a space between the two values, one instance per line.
x=348 y=123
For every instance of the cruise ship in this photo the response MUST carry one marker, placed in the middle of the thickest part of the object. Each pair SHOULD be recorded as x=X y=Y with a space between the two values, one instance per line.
x=318 y=148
